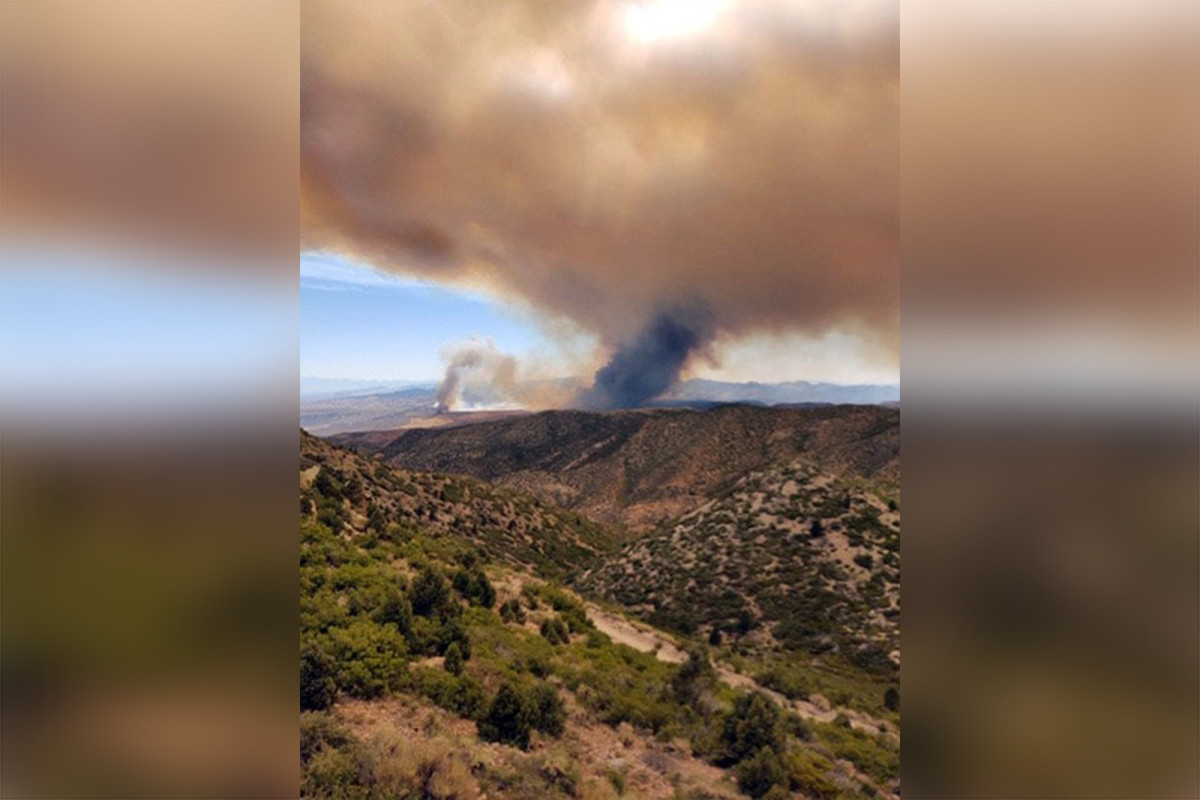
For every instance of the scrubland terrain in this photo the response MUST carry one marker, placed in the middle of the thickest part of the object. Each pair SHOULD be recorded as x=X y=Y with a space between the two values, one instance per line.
x=462 y=638
x=796 y=558
x=633 y=469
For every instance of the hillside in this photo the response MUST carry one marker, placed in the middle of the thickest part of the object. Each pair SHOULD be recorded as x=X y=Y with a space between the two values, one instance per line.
x=434 y=664
x=345 y=490
x=637 y=468
x=788 y=557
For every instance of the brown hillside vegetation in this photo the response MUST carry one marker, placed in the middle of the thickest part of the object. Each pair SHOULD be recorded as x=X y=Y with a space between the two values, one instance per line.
x=787 y=558
x=434 y=664
x=637 y=468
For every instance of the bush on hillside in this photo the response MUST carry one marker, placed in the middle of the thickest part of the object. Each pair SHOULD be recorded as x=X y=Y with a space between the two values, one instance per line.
x=317 y=685
x=474 y=585
x=509 y=719
x=695 y=674
x=548 y=713
x=512 y=611
x=555 y=631
x=453 y=660
x=397 y=610
x=430 y=593
x=754 y=723
x=763 y=772
x=369 y=657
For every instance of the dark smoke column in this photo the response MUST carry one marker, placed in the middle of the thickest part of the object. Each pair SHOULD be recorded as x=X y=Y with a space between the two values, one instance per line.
x=644 y=368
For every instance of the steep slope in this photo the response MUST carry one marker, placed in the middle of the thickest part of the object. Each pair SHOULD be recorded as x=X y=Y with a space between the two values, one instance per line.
x=346 y=490
x=636 y=468
x=429 y=669
x=788 y=557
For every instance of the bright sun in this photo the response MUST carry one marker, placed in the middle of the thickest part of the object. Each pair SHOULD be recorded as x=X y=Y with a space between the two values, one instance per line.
x=655 y=20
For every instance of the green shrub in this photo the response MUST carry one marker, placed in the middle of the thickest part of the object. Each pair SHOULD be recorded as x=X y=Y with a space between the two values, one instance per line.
x=891 y=699
x=397 y=610
x=555 y=631
x=809 y=773
x=548 y=714
x=317 y=731
x=797 y=726
x=508 y=719
x=512 y=611
x=332 y=515
x=787 y=682
x=474 y=585
x=377 y=519
x=327 y=485
x=871 y=754
x=332 y=774
x=754 y=723
x=598 y=639
x=430 y=593
x=453 y=660
x=762 y=772
x=453 y=633
x=317 y=685
x=692 y=676
x=460 y=694
x=369 y=658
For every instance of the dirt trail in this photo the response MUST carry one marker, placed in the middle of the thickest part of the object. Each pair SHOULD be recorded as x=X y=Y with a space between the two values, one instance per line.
x=639 y=637
x=307 y=476
x=647 y=640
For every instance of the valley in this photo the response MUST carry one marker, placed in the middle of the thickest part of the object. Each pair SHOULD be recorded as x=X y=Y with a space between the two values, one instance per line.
x=660 y=603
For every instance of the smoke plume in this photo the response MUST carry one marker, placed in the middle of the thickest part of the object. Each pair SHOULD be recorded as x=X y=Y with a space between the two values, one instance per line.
x=477 y=372
x=479 y=360
x=647 y=366
x=602 y=161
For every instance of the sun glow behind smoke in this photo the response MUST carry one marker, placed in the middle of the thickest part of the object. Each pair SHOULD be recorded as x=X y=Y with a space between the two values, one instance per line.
x=651 y=22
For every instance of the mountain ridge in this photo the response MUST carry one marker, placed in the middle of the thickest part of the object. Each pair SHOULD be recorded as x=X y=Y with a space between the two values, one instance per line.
x=635 y=468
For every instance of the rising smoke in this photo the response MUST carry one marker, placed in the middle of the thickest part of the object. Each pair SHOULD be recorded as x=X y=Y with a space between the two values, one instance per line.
x=478 y=374
x=647 y=366
x=569 y=157
x=478 y=361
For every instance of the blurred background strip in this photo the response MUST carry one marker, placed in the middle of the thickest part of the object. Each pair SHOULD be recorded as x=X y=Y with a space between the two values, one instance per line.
x=1050 y=293
x=148 y=377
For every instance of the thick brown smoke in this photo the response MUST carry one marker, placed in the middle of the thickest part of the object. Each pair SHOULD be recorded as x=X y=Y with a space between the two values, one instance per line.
x=607 y=160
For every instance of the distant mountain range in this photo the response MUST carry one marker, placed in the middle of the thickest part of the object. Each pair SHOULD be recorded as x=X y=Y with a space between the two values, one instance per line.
x=347 y=387
x=330 y=405
x=784 y=393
